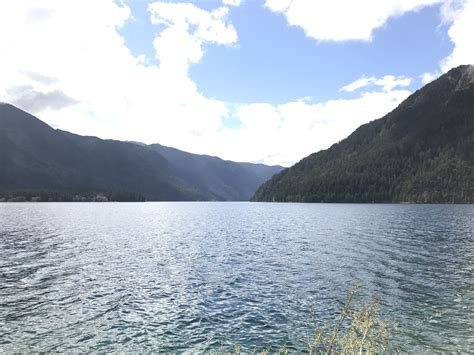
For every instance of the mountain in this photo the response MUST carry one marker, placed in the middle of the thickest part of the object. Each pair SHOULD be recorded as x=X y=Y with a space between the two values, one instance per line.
x=224 y=180
x=34 y=156
x=422 y=151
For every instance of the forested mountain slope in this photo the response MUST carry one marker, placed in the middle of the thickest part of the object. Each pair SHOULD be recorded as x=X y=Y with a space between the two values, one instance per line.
x=422 y=151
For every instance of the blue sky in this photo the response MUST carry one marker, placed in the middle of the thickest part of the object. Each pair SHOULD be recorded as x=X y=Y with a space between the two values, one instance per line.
x=247 y=80
x=276 y=63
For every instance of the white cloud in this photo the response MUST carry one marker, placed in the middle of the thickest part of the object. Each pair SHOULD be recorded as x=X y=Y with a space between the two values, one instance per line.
x=210 y=26
x=95 y=85
x=461 y=16
x=180 y=45
x=283 y=134
x=450 y=9
x=84 y=79
x=342 y=20
x=428 y=77
x=357 y=84
x=387 y=83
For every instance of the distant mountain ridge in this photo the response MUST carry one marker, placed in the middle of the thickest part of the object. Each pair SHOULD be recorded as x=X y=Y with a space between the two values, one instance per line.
x=34 y=156
x=423 y=151
x=222 y=178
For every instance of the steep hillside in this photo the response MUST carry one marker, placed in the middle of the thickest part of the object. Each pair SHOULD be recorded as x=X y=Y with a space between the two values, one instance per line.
x=224 y=180
x=421 y=152
x=34 y=156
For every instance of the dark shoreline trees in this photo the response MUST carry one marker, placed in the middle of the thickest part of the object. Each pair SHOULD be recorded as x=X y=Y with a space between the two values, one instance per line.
x=70 y=196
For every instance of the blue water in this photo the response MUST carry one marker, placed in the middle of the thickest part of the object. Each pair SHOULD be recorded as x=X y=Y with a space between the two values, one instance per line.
x=193 y=277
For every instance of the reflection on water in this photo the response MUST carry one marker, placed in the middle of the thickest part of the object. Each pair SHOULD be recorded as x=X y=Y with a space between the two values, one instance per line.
x=193 y=276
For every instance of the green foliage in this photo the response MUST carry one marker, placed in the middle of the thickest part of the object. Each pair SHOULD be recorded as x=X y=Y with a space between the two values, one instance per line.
x=422 y=152
x=69 y=196
x=356 y=330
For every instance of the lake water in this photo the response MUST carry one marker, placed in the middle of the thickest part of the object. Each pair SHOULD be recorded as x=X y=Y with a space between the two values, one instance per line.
x=177 y=277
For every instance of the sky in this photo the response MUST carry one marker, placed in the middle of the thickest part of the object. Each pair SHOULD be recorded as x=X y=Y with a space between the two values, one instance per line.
x=267 y=81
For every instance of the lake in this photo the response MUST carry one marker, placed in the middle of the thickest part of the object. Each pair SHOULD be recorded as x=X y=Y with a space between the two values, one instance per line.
x=190 y=277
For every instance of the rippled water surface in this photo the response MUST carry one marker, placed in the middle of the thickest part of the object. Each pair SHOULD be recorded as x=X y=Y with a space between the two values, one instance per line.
x=192 y=276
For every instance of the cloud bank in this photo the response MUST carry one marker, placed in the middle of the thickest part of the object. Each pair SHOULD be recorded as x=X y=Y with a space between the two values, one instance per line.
x=387 y=83
x=71 y=67
x=343 y=20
